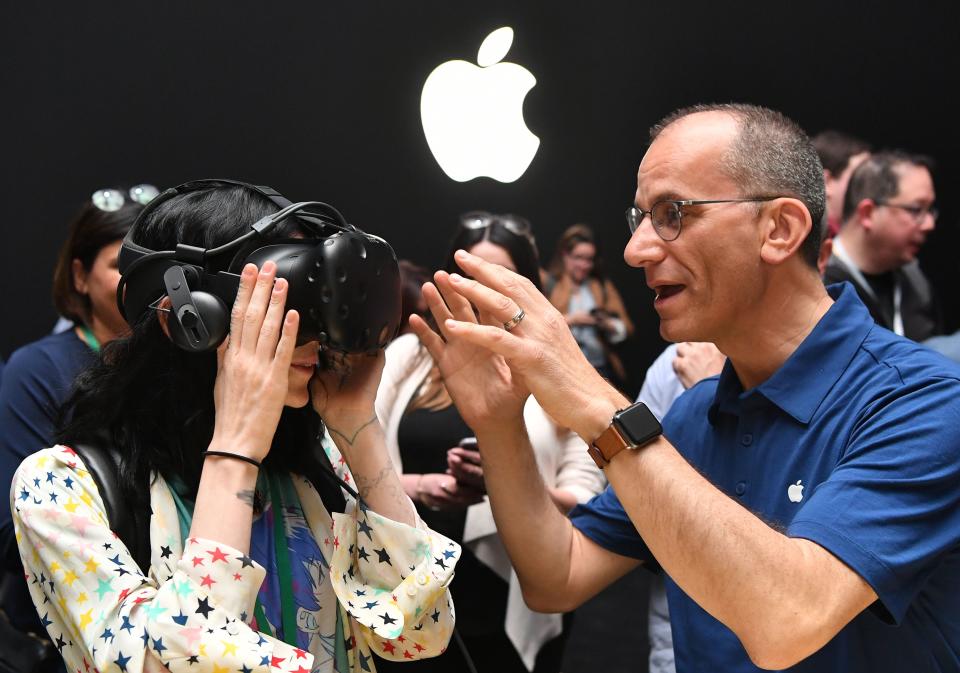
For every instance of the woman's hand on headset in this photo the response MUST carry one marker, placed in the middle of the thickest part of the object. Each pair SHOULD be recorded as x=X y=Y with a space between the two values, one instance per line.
x=253 y=364
x=344 y=388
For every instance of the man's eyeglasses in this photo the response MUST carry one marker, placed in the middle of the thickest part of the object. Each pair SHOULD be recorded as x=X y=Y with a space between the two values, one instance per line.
x=480 y=219
x=667 y=215
x=110 y=199
x=918 y=212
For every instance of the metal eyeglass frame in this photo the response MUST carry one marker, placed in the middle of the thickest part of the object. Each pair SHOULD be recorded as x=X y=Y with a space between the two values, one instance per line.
x=635 y=216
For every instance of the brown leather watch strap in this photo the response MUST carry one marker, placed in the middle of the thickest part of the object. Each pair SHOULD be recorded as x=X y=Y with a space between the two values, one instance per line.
x=607 y=445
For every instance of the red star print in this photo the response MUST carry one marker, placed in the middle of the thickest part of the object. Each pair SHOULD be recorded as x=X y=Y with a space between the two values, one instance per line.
x=72 y=464
x=276 y=661
x=336 y=542
x=124 y=594
x=401 y=638
x=346 y=477
x=237 y=576
x=302 y=670
x=197 y=561
x=140 y=600
x=301 y=654
x=218 y=555
x=67 y=449
x=388 y=646
x=326 y=541
x=420 y=648
x=407 y=655
x=207 y=581
x=394 y=597
x=86 y=666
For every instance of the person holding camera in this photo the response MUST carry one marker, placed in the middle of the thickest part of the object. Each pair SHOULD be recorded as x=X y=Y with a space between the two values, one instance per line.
x=217 y=402
x=442 y=472
x=591 y=305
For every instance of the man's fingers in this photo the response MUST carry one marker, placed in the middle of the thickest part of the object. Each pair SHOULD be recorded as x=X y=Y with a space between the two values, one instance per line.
x=460 y=308
x=500 y=306
x=247 y=279
x=496 y=277
x=430 y=339
x=438 y=308
x=495 y=339
x=257 y=307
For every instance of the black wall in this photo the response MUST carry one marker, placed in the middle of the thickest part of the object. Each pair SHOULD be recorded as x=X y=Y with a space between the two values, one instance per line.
x=321 y=100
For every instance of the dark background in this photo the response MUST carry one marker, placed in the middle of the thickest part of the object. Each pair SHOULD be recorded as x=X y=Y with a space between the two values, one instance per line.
x=321 y=101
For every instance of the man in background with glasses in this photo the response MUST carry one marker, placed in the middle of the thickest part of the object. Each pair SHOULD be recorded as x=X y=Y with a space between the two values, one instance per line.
x=887 y=213
x=804 y=504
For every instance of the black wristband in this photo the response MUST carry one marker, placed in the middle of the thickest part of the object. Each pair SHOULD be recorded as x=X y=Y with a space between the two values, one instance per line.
x=236 y=456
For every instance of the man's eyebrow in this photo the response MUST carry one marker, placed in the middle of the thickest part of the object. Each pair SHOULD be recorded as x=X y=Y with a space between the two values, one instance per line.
x=668 y=195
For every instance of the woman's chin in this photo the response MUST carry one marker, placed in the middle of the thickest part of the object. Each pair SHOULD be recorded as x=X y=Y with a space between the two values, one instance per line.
x=297 y=399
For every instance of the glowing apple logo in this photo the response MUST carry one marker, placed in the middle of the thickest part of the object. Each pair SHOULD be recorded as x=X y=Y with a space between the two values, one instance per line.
x=795 y=491
x=473 y=116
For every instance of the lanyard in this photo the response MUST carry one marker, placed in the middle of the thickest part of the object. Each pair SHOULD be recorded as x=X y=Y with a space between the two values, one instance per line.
x=841 y=254
x=288 y=613
x=88 y=337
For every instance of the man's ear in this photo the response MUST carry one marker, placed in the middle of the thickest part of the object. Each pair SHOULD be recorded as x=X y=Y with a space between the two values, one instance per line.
x=787 y=224
x=864 y=213
x=163 y=314
x=79 y=276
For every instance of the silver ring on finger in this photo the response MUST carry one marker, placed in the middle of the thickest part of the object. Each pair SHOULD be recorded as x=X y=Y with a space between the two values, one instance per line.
x=515 y=320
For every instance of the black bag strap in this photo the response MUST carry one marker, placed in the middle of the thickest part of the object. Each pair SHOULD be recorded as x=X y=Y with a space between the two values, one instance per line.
x=131 y=523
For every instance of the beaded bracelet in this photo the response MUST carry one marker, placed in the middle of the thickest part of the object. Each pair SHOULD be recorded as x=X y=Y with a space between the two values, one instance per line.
x=236 y=456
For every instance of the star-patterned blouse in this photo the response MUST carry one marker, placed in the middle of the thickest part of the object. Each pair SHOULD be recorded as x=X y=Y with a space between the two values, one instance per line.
x=195 y=610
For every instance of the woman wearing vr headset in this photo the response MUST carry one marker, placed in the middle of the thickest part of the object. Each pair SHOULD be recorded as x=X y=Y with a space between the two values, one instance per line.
x=40 y=375
x=248 y=568
x=444 y=475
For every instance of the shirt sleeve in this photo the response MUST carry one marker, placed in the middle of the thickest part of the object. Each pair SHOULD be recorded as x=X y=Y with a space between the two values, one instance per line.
x=392 y=579
x=101 y=610
x=891 y=508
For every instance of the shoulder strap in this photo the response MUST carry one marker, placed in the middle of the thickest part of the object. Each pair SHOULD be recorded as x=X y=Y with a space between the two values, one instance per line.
x=130 y=523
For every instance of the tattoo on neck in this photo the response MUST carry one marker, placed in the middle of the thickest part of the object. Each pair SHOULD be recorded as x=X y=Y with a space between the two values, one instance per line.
x=352 y=438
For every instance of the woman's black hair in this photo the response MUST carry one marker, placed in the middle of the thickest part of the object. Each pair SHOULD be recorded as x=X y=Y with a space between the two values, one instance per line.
x=522 y=248
x=91 y=230
x=153 y=400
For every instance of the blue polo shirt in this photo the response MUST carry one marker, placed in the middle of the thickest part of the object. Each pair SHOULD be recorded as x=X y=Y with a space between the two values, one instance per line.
x=854 y=443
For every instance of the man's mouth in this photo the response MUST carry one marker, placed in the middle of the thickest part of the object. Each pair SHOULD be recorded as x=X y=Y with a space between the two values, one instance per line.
x=664 y=292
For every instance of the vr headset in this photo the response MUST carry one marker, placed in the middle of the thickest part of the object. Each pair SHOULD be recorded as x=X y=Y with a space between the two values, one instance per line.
x=344 y=283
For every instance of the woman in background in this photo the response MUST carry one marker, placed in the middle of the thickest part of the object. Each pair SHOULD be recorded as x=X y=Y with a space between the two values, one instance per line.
x=590 y=303
x=40 y=375
x=442 y=474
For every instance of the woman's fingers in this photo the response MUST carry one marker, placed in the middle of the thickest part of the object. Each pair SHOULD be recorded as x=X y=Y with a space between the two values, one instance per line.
x=257 y=307
x=287 y=342
x=273 y=320
x=247 y=279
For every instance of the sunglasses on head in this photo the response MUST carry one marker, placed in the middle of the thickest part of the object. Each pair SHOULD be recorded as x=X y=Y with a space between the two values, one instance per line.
x=111 y=199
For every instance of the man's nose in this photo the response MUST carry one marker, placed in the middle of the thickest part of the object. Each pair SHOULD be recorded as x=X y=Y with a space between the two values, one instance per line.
x=645 y=247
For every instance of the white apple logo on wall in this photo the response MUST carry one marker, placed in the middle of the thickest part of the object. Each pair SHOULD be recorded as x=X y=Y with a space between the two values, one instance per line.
x=473 y=116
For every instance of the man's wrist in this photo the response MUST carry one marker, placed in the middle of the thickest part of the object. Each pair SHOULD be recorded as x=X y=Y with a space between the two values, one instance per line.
x=598 y=413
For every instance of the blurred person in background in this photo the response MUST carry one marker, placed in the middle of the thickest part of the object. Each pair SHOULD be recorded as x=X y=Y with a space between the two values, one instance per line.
x=412 y=278
x=589 y=302
x=888 y=212
x=840 y=154
x=40 y=375
x=443 y=475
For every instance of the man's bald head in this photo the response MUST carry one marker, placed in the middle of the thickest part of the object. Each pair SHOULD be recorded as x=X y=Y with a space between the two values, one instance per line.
x=768 y=155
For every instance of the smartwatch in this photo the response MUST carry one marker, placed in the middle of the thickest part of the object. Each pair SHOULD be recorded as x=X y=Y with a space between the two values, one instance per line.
x=630 y=428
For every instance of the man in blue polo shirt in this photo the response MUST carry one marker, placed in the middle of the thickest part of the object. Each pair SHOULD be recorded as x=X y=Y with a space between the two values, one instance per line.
x=805 y=505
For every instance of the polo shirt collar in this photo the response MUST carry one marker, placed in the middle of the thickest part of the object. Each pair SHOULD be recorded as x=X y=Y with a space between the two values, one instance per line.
x=801 y=383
